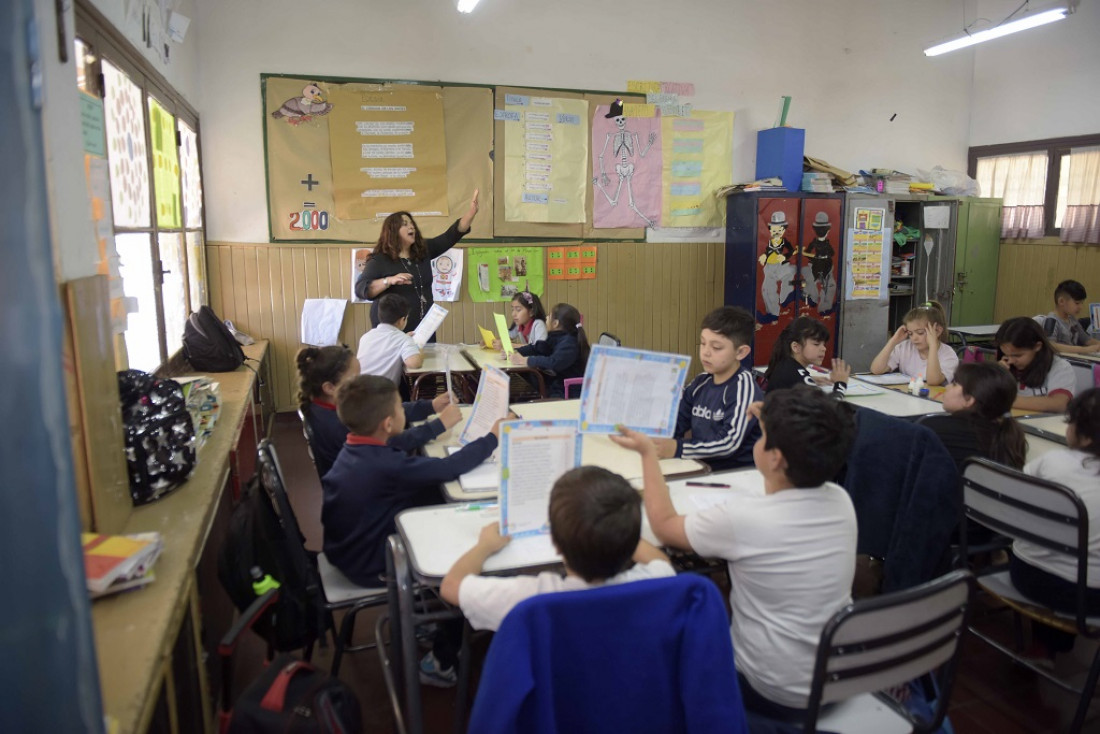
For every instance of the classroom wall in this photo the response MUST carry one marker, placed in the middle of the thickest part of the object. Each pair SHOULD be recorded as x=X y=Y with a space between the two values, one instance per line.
x=1027 y=273
x=1040 y=83
x=850 y=67
x=646 y=294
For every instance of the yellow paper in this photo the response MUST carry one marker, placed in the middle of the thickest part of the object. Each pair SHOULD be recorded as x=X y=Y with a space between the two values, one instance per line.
x=502 y=329
x=545 y=159
x=696 y=159
x=486 y=336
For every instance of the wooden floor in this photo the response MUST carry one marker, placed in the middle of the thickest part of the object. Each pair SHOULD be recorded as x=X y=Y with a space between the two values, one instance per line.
x=991 y=694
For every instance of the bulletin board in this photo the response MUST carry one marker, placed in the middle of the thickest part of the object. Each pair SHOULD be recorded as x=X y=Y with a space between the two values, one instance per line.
x=310 y=123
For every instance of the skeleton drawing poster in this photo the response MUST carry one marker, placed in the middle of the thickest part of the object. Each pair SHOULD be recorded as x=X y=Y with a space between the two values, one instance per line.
x=626 y=169
x=697 y=158
x=545 y=158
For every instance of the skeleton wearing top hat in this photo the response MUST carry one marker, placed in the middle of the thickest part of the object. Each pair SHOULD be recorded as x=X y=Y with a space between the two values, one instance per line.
x=623 y=143
x=821 y=253
x=777 y=280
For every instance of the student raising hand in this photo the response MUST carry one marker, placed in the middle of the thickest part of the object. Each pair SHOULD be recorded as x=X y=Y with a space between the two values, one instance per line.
x=634 y=441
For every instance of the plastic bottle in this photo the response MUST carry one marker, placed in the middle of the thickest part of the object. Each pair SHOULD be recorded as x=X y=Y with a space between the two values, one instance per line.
x=918 y=385
x=912 y=386
x=262 y=582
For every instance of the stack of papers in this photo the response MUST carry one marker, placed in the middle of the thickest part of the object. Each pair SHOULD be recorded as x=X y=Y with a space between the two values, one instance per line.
x=821 y=183
x=116 y=562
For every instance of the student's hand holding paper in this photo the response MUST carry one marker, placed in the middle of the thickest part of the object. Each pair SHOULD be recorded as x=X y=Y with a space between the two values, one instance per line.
x=450 y=416
x=518 y=359
x=490 y=539
x=440 y=402
x=634 y=441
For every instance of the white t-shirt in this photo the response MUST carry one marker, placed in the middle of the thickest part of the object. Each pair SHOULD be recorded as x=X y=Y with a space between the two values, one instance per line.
x=486 y=600
x=1068 y=467
x=1059 y=378
x=792 y=556
x=538 y=333
x=383 y=351
x=906 y=359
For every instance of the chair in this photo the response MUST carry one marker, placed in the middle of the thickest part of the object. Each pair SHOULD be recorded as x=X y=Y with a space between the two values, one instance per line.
x=646 y=656
x=609 y=340
x=1096 y=375
x=572 y=382
x=307 y=431
x=1042 y=513
x=885 y=641
x=327 y=586
x=978 y=354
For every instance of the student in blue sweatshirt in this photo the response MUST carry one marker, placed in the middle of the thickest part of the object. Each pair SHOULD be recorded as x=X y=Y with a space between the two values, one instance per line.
x=714 y=424
x=372 y=480
x=564 y=352
x=321 y=371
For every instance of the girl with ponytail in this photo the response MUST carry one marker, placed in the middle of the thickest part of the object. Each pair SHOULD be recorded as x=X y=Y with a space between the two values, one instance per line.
x=563 y=354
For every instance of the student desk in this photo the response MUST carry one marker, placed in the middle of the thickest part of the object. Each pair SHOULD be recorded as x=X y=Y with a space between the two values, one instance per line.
x=1050 y=427
x=437 y=357
x=982 y=333
x=430 y=539
x=151 y=669
x=897 y=403
x=596 y=449
x=481 y=358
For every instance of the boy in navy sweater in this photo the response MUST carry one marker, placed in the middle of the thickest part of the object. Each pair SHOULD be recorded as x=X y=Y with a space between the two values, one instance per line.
x=714 y=424
x=371 y=480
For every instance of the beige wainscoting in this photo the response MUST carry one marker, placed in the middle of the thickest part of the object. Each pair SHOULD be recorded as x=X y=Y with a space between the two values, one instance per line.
x=1028 y=272
x=652 y=296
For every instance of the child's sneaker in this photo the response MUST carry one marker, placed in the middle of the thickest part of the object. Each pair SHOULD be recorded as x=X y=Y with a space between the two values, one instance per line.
x=433 y=675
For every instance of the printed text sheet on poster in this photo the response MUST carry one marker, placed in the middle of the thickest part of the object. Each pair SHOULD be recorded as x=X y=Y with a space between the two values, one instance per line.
x=533 y=454
x=388 y=152
x=626 y=170
x=867 y=266
x=545 y=158
x=632 y=387
x=429 y=324
x=696 y=158
x=490 y=404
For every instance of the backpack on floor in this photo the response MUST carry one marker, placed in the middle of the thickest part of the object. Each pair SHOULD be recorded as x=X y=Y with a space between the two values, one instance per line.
x=158 y=434
x=209 y=345
x=257 y=540
x=293 y=696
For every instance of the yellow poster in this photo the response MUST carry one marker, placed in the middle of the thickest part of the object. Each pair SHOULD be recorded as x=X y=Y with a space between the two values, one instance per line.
x=545 y=158
x=697 y=155
x=388 y=152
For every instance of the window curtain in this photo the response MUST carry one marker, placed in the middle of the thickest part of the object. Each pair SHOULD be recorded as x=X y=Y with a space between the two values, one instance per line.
x=1081 y=221
x=1020 y=180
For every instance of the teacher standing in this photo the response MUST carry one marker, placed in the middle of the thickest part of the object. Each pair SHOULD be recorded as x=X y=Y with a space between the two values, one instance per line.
x=402 y=262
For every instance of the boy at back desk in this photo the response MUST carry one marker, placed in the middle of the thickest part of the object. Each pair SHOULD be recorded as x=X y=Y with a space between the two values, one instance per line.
x=714 y=424
x=791 y=551
x=386 y=349
x=595 y=523
x=1062 y=328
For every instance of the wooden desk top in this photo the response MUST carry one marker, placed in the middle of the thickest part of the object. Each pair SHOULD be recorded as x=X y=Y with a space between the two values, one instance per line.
x=437 y=357
x=482 y=357
x=596 y=449
x=135 y=630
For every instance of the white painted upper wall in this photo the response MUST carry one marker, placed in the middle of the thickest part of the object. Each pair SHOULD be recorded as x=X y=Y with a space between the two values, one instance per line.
x=1040 y=83
x=849 y=65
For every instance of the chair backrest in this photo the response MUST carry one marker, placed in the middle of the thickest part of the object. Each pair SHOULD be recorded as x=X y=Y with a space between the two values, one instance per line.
x=572 y=382
x=307 y=432
x=979 y=354
x=663 y=662
x=888 y=640
x=610 y=340
x=1027 y=508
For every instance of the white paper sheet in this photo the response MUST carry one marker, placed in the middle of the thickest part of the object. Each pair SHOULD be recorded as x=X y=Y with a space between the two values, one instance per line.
x=937 y=217
x=490 y=404
x=321 y=319
x=890 y=378
x=428 y=325
x=632 y=387
x=533 y=454
x=482 y=478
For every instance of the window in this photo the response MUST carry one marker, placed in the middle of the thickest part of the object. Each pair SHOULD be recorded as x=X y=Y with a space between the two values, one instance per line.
x=152 y=151
x=1049 y=187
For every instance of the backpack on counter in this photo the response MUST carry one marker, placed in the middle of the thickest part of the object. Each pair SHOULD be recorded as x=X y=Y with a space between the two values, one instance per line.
x=158 y=434
x=209 y=345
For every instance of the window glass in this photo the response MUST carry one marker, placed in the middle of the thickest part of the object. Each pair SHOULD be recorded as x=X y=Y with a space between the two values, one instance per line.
x=196 y=269
x=172 y=289
x=192 y=177
x=1020 y=180
x=136 y=268
x=166 y=170
x=1063 y=191
x=126 y=148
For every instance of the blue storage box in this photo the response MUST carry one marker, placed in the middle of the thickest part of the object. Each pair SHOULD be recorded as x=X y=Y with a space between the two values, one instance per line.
x=779 y=153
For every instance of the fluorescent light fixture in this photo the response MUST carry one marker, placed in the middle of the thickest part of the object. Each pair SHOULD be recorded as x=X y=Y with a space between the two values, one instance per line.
x=1020 y=24
x=467 y=6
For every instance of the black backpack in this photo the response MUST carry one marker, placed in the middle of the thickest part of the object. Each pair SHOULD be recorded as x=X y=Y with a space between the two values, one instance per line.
x=208 y=344
x=158 y=434
x=256 y=539
x=294 y=697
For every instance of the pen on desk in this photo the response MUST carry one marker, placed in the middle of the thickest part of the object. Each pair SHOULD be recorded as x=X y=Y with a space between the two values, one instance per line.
x=471 y=508
x=708 y=484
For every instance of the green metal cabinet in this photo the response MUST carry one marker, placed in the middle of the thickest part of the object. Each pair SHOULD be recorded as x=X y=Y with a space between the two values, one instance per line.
x=977 y=251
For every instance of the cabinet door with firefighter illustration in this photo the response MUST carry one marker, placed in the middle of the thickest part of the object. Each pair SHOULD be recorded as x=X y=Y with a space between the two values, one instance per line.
x=778 y=235
x=819 y=258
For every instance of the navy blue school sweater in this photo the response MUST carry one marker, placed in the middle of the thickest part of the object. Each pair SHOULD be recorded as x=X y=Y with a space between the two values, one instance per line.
x=722 y=431
x=788 y=373
x=370 y=483
x=558 y=355
x=329 y=433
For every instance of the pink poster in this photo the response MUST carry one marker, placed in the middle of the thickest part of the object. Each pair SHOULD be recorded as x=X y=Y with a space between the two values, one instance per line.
x=626 y=169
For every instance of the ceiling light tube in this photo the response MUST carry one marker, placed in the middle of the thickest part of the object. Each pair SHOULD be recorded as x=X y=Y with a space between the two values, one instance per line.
x=467 y=6
x=1020 y=24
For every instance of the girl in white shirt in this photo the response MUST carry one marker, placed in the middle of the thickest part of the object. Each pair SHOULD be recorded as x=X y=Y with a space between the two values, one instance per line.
x=915 y=348
x=528 y=319
x=1045 y=575
x=1045 y=380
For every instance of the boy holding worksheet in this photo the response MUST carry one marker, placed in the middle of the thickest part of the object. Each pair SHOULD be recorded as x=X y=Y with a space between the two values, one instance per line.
x=386 y=349
x=791 y=550
x=595 y=523
x=714 y=424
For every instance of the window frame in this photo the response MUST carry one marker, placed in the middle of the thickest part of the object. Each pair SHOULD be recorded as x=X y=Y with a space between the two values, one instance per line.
x=106 y=42
x=1055 y=148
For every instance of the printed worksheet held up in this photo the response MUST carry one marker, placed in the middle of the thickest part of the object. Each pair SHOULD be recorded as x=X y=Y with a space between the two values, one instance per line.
x=533 y=454
x=632 y=387
x=490 y=404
